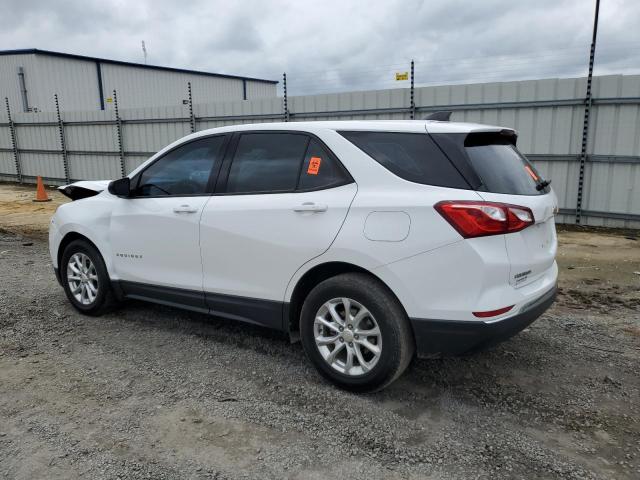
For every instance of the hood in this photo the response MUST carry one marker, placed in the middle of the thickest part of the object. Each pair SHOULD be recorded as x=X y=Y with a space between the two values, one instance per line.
x=84 y=188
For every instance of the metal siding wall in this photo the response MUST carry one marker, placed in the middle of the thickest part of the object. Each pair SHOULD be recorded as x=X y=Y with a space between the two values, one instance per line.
x=302 y=107
x=261 y=90
x=140 y=87
x=9 y=85
x=5 y=135
x=7 y=166
x=549 y=134
x=75 y=82
x=94 y=167
x=564 y=176
x=7 y=162
x=272 y=107
x=29 y=136
x=151 y=137
x=91 y=138
x=38 y=137
x=43 y=164
x=614 y=131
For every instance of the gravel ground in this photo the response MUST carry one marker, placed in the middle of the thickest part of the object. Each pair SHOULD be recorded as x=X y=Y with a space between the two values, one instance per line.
x=153 y=392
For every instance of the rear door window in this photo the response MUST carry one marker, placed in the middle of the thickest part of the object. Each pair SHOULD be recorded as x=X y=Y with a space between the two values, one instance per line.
x=267 y=163
x=412 y=156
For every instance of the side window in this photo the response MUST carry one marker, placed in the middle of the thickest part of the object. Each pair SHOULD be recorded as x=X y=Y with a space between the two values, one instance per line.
x=267 y=162
x=183 y=171
x=319 y=170
x=412 y=156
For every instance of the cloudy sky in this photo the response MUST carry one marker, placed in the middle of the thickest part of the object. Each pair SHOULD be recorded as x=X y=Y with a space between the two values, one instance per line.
x=334 y=45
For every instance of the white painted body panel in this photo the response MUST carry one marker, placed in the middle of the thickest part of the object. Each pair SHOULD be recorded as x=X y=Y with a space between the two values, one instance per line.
x=253 y=244
x=154 y=244
x=90 y=217
x=534 y=248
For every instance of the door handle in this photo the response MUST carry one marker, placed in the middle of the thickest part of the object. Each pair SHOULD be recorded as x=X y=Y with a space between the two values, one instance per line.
x=185 y=209
x=310 y=207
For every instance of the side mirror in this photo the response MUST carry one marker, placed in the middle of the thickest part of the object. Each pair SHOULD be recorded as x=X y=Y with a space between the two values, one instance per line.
x=120 y=188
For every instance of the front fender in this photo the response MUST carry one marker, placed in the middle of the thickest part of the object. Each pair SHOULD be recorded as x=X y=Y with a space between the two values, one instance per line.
x=91 y=218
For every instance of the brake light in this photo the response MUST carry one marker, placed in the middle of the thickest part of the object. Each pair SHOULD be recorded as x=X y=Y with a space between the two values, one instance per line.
x=478 y=219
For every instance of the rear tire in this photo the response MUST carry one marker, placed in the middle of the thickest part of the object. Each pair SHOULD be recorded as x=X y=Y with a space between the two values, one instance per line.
x=366 y=351
x=85 y=279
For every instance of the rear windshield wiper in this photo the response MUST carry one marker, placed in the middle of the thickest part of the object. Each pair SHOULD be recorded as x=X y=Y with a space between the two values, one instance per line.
x=543 y=184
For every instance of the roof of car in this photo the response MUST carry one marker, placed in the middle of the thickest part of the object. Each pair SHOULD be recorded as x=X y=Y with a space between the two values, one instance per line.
x=415 y=126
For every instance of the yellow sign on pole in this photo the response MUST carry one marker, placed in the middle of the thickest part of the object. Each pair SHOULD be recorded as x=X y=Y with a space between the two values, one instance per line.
x=402 y=76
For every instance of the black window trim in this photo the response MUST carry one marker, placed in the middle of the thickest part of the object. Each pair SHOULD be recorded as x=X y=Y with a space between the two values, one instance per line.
x=223 y=177
x=213 y=174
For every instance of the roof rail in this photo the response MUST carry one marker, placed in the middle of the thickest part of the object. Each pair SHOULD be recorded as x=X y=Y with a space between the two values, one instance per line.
x=440 y=116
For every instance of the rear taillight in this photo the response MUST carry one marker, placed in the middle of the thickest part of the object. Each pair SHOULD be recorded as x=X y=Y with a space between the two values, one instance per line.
x=479 y=219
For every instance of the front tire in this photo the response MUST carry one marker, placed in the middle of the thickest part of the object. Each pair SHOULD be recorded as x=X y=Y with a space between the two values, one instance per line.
x=356 y=333
x=85 y=279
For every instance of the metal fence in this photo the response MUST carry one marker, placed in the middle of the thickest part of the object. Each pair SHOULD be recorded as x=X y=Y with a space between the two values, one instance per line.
x=549 y=115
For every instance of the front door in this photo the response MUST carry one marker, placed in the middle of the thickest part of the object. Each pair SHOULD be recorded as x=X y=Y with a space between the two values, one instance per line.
x=155 y=232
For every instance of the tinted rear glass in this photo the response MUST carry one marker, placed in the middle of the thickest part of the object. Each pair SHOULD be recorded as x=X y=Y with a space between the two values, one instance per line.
x=319 y=169
x=501 y=167
x=411 y=156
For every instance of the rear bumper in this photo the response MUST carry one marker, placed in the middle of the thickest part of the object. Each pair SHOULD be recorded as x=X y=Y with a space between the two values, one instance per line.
x=450 y=337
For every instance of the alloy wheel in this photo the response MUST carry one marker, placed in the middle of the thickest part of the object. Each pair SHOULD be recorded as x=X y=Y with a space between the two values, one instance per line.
x=82 y=278
x=347 y=336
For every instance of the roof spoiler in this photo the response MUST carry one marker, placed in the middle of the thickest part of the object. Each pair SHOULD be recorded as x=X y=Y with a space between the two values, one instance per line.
x=440 y=116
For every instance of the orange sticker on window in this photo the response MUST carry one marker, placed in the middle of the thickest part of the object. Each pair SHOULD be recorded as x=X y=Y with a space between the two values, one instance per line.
x=531 y=172
x=314 y=166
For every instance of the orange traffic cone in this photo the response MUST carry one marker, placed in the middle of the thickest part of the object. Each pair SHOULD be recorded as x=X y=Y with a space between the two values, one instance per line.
x=41 y=193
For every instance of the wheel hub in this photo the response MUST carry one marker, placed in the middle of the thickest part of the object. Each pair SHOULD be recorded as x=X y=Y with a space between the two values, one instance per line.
x=347 y=335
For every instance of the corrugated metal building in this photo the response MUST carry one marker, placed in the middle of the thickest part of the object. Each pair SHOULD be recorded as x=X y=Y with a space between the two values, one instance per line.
x=30 y=78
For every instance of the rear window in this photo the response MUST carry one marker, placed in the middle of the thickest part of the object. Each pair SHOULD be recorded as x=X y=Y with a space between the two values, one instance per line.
x=501 y=167
x=412 y=156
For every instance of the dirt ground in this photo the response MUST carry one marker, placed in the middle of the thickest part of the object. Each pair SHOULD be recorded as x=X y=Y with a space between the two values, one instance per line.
x=19 y=213
x=153 y=392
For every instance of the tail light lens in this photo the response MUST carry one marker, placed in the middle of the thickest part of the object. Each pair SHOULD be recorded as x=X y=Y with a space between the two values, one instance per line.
x=478 y=219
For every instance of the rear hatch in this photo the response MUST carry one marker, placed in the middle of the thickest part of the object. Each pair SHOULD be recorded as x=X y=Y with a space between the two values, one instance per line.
x=495 y=168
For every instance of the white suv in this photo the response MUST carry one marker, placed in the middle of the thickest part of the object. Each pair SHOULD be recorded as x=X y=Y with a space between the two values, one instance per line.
x=368 y=240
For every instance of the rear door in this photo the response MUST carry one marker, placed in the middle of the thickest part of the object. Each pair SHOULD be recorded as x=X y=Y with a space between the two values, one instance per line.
x=505 y=175
x=281 y=201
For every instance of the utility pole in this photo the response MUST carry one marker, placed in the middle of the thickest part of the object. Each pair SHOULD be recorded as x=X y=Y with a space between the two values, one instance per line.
x=587 y=113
